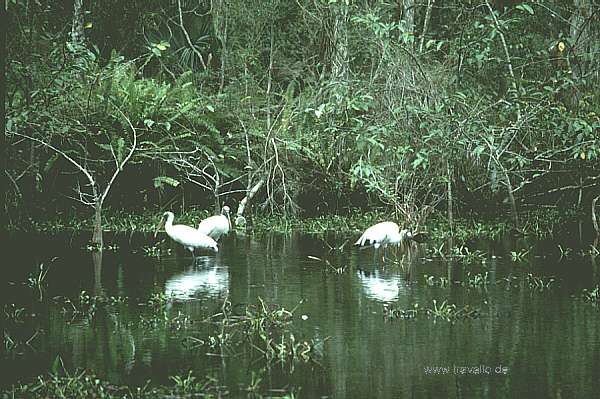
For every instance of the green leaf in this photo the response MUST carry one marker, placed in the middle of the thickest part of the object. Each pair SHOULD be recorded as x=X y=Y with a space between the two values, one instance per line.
x=50 y=163
x=525 y=7
x=120 y=147
x=160 y=181
x=57 y=365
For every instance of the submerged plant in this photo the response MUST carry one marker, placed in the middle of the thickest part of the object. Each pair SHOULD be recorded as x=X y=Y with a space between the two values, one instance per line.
x=13 y=313
x=190 y=385
x=443 y=310
x=156 y=251
x=539 y=283
x=450 y=312
x=62 y=384
x=439 y=282
x=477 y=280
x=330 y=267
x=266 y=330
x=518 y=256
x=565 y=252
x=17 y=346
x=403 y=314
x=87 y=305
x=37 y=280
x=510 y=281
x=592 y=296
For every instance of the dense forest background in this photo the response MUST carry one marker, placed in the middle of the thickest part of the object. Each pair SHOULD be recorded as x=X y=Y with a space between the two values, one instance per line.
x=302 y=107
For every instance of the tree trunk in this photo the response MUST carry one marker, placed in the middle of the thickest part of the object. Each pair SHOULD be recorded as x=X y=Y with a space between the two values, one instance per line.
x=409 y=15
x=450 y=198
x=97 y=261
x=594 y=219
x=426 y=24
x=513 y=203
x=77 y=32
x=219 y=18
x=97 y=234
x=339 y=54
x=250 y=193
x=584 y=40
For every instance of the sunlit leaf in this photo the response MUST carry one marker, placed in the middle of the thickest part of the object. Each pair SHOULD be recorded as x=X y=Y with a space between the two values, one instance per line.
x=525 y=7
x=160 y=181
x=50 y=162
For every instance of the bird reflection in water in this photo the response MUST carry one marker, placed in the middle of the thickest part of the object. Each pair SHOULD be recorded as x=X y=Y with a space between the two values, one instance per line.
x=205 y=278
x=383 y=288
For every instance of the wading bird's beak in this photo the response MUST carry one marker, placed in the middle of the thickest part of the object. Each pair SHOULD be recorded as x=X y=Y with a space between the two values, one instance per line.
x=158 y=227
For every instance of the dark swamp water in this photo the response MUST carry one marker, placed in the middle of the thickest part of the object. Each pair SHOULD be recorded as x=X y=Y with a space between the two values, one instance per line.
x=532 y=334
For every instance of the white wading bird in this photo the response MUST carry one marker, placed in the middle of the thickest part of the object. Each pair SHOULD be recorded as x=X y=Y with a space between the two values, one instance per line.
x=387 y=233
x=216 y=226
x=187 y=236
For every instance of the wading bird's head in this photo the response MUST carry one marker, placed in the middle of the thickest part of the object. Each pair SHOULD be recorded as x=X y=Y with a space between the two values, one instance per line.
x=163 y=219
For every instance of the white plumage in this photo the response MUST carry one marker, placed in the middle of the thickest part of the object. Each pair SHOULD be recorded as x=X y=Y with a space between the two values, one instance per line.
x=384 y=234
x=216 y=226
x=187 y=236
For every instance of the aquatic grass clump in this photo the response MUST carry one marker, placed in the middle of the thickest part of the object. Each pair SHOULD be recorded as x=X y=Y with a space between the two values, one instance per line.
x=37 y=281
x=13 y=314
x=16 y=346
x=432 y=281
x=156 y=251
x=82 y=384
x=446 y=311
x=476 y=280
x=86 y=306
x=519 y=256
x=191 y=386
x=465 y=229
x=592 y=296
x=390 y=313
x=460 y=253
x=450 y=312
x=540 y=283
x=263 y=330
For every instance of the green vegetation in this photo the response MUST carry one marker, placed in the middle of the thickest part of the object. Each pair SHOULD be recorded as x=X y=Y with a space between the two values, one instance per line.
x=592 y=296
x=37 y=281
x=82 y=384
x=296 y=109
x=263 y=329
x=439 y=311
x=464 y=119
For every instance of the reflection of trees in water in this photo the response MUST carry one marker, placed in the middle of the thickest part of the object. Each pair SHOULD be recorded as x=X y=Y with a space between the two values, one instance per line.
x=97 y=262
x=544 y=337
x=205 y=278
x=105 y=344
x=535 y=340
